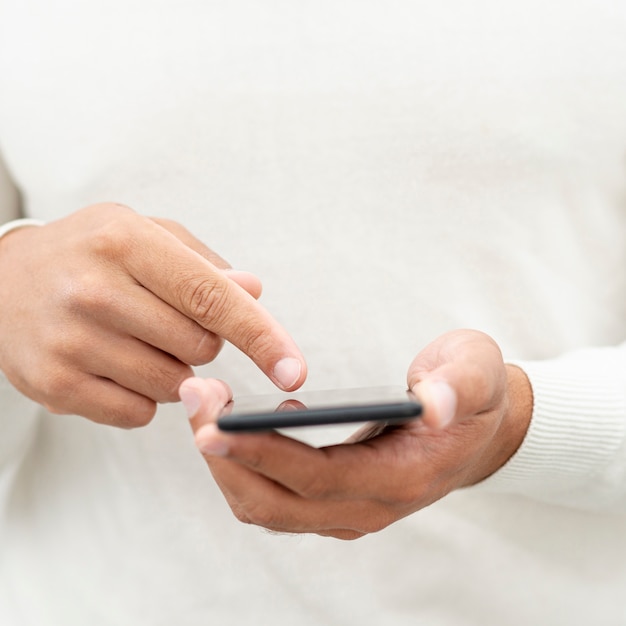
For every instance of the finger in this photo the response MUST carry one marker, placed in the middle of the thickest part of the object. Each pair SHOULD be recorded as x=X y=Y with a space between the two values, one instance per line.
x=204 y=400
x=100 y=400
x=254 y=499
x=191 y=241
x=351 y=471
x=132 y=310
x=196 y=288
x=359 y=471
x=287 y=486
x=459 y=375
x=439 y=402
x=213 y=397
x=246 y=280
x=338 y=533
x=134 y=365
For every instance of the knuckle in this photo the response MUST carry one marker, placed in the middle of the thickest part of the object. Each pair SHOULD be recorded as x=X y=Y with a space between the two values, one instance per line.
x=260 y=514
x=374 y=524
x=403 y=498
x=345 y=535
x=406 y=497
x=253 y=458
x=56 y=386
x=256 y=341
x=316 y=487
x=206 y=298
x=54 y=410
x=369 y=528
x=63 y=348
x=164 y=380
x=240 y=514
x=85 y=294
x=136 y=416
x=175 y=379
x=206 y=349
x=114 y=238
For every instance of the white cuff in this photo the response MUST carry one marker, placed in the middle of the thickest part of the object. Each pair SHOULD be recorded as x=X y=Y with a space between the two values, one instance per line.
x=573 y=452
x=15 y=224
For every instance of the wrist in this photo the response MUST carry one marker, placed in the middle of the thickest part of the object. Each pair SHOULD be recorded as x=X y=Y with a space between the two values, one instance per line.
x=520 y=410
x=517 y=413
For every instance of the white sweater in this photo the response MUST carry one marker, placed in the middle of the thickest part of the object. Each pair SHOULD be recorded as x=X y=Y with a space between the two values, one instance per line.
x=391 y=170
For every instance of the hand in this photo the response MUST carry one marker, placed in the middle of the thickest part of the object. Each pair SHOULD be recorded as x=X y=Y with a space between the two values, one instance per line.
x=104 y=311
x=476 y=413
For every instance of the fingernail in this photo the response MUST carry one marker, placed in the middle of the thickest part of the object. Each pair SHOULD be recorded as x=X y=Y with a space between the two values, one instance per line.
x=444 y=400
x=210 y=441
x=287 y=372
x=190 y=399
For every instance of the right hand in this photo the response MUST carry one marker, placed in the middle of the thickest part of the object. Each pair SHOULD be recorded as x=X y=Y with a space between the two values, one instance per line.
x=104 y=311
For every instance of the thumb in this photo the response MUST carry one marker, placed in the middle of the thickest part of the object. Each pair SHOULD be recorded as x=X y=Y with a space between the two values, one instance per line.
x=459 y=375
x=439 y=402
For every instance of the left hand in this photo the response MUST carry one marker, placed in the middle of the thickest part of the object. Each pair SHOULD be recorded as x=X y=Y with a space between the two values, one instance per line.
x=476 y=413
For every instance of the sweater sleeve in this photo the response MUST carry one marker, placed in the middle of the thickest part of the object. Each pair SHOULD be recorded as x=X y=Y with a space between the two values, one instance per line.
x=574 y=453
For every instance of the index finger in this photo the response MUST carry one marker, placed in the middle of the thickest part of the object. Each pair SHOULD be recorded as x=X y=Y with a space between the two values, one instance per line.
x=198 y=289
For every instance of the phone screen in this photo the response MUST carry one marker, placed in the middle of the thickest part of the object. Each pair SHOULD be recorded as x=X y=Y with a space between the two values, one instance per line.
x=391 y=405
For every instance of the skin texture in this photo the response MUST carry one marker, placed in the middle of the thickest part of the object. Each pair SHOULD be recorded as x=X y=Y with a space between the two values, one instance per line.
x=104 y=312
x=476 y=414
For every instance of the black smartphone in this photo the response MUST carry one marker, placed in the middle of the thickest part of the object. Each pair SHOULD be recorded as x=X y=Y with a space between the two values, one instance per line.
x=390 y=405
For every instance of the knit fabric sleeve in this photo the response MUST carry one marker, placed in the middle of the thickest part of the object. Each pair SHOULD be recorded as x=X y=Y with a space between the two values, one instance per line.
x=574 y=453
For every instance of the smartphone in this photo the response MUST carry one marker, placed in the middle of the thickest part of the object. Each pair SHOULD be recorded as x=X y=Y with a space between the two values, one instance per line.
x=390 y=405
